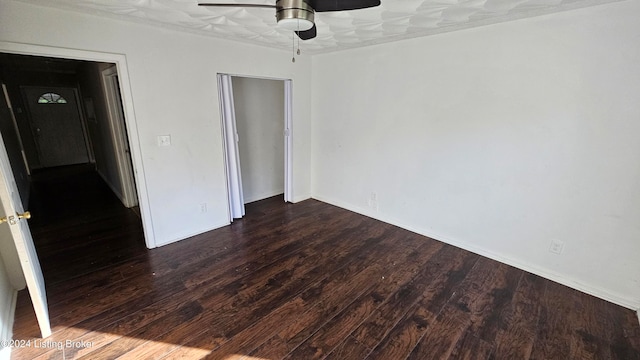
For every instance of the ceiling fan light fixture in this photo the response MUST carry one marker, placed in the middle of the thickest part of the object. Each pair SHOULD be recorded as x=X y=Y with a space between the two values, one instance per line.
x=294 y=15
x=295 y=24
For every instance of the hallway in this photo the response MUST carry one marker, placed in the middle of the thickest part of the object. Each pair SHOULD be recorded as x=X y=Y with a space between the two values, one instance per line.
x=78 y=225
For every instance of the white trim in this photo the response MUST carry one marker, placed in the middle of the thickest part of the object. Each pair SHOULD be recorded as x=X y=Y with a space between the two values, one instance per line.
x=288 y=140
x=545 y=273
x=231 y=152
x=118 y=134
x=297 y=199
x=130 y=119
x=288 y=128
x=638 y=313
x=188 y=235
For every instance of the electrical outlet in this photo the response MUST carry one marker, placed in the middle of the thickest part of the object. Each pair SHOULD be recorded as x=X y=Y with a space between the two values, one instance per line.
x=164 y=140
x=373 y=201
x=557 y=247
x=203 y=207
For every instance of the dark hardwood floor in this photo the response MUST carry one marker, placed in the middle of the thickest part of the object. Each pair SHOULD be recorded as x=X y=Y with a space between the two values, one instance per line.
x=294 y=281
x=78 y=221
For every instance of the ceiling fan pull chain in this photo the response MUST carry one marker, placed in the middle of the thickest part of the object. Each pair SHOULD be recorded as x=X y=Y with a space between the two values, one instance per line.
x=298 y=52
x=293 y=47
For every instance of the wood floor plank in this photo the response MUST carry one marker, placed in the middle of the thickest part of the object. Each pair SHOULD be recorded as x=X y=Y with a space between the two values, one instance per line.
x=625 y=333
x=494 y=314
x=377 y=326
x=476 y=305
x=249 y=334
x=553 y=340
x=291 y=281
x=401 y=340
x=514 y=343
x=245 y=319
x=332 y=302
x=222 y=337
x=441 y=337
x=484 y=294
x=590 y=332
x=470 y=347
x=478 y=310
x=339 y=327
x=515 y=340
x=141 y=302
x=410 y=306
x=350 y=348
x=256 y=254
x=154 y=330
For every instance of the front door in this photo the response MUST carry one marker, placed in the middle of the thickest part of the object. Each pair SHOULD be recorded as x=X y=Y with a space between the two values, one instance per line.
x=13 y=216
x=56 y=125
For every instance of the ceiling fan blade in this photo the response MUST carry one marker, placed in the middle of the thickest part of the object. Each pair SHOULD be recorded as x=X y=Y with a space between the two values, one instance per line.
x=307 y=34
x=339 y=5
x=267 y=6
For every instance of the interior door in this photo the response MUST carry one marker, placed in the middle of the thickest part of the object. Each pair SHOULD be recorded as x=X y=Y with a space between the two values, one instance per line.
x=12 y=215
x=56 y=125
x=231 y=152
x=119 y=136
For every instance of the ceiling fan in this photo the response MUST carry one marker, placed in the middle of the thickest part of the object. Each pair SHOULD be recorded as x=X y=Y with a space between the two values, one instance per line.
x=298 y=15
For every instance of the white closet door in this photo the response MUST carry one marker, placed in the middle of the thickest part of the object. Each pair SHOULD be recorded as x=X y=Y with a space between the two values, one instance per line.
x=232 y=155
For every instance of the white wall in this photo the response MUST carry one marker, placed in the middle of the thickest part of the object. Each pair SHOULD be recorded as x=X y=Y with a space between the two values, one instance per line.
x=173 y=85
x=497 y=139
x=7 y=310
x=259 y=107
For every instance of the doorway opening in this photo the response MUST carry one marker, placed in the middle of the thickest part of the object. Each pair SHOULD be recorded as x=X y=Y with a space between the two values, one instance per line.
x=256 y=115
x=75 y=172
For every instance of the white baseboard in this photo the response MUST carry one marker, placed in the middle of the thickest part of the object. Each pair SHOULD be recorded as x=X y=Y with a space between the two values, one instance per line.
x=604 y=294
x=298 y=199
x=190 y=234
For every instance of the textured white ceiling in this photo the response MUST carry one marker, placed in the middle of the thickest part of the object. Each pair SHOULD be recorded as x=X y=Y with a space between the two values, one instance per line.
x=393 y=20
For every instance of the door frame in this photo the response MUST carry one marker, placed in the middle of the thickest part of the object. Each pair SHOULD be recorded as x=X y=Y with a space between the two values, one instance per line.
x=287 y=135
x=288 y=140
x=120 y=61
x=118 y=132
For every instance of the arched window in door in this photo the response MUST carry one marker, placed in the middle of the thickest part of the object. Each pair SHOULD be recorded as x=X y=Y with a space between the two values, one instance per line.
x=51 y=98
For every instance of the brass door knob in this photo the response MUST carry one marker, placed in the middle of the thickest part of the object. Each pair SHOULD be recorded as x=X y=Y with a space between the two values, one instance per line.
x=14 y=219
